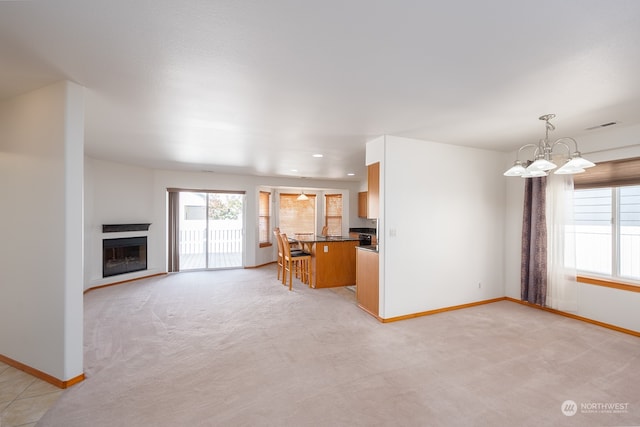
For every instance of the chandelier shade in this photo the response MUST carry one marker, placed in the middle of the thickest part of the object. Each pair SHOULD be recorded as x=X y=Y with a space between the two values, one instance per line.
x=541 y=165
x=516 y=170
x=543 y=153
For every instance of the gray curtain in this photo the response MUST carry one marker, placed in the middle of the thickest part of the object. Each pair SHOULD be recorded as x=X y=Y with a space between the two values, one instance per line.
x=533 y=273
x=173 y=263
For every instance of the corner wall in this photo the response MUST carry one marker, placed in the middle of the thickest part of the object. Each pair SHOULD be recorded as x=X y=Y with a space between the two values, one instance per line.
x=442 y=222
x=41 y=170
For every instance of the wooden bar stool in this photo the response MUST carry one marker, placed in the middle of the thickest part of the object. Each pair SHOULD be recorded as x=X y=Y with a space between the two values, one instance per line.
x=280 y=261
x=300 y=262
x=276 y=234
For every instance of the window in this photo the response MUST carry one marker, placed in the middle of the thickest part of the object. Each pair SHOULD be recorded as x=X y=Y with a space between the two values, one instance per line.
x=607 y=220
x=629 y=221
x=264 y=219
x=607 y=231
x=297 y=216
x=333 y=214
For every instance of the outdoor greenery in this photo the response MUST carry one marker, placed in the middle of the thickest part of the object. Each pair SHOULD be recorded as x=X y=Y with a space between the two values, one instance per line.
x=224 y=206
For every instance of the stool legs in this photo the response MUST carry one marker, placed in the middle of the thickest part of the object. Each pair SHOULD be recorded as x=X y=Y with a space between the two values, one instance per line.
x=302 y=266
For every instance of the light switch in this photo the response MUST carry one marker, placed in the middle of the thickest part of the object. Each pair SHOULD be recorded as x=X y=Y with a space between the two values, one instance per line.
x=392 y=232
x=326 y=248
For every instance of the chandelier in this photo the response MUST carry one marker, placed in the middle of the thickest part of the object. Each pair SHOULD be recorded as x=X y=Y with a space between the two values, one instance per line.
x=542 y=157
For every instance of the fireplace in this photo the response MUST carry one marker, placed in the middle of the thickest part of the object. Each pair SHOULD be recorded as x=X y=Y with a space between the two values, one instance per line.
x=120 y=256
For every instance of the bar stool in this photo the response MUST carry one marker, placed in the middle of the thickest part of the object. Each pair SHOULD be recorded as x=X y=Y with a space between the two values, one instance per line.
x=300 y=261
x=280 y=261
x=276 y=234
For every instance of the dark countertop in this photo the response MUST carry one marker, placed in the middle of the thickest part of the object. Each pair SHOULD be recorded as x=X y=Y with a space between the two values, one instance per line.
x=370 y=248
x=314 y=239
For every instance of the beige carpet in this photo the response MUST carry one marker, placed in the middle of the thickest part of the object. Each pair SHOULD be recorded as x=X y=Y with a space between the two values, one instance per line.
x=236 y=348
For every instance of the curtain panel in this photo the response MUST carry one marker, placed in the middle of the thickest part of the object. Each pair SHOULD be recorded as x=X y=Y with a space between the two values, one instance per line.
x=533 y=270
x=173 y=232
x=562 y=287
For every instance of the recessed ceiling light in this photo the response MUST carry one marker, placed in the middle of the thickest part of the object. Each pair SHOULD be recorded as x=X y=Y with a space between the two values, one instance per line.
x=318 y=155
x=351 y=174
x=294 y=170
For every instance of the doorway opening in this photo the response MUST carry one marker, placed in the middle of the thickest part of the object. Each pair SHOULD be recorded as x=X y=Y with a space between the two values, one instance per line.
x=208 y=232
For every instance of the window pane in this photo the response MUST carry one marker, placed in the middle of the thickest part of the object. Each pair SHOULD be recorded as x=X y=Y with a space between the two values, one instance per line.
x=334 y=226
x=297 y=216
x=630 y=232
x=264 y=217
x=334 y=204
x=593 y=213
x=224 y=226
x=263 y=209
x=333 y=214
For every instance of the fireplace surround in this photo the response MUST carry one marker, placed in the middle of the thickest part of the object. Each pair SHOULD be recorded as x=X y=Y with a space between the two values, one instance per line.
x=124 y=255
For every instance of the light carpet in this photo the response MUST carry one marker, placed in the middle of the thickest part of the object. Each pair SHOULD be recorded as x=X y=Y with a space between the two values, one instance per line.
x=236 y=348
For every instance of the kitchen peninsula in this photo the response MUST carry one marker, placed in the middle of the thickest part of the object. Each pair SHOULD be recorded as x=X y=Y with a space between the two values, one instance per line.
x=333 y=259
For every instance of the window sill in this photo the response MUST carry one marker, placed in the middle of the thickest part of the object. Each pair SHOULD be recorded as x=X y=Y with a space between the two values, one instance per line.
x=609 y=283
x=265 y=245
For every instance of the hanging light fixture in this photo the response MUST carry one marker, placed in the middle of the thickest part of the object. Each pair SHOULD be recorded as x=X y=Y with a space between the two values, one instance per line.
x=542 y=154
x=302 y=196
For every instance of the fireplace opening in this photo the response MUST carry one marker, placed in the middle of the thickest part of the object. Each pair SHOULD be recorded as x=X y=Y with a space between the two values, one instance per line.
x=120 y=256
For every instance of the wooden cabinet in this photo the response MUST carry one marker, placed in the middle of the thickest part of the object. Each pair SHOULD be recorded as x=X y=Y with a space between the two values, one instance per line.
x=333 y=263
x=373 y=195
x=367 y=281
x=362 y=204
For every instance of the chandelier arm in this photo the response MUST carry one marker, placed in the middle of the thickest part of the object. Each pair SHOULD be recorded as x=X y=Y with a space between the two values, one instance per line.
x=527 y=146
x=575 y=143
x=559 y=142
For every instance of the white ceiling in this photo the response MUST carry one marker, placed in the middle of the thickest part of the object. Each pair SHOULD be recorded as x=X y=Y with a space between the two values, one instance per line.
x=257 y=87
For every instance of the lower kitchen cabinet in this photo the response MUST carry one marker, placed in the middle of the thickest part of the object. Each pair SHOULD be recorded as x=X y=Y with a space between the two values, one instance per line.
x=367 y=280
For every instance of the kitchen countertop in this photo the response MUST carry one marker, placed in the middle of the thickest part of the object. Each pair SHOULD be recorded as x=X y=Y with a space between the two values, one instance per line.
x=312 y=239
x=370 y=248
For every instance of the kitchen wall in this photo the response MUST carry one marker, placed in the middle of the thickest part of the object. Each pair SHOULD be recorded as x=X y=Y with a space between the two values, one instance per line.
x=612 y=306
x=440 y=224
x=118 y=193
x=41 y=163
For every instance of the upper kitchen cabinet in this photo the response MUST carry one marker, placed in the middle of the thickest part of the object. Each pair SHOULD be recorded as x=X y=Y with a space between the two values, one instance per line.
x=362 y=204
x=373 y=193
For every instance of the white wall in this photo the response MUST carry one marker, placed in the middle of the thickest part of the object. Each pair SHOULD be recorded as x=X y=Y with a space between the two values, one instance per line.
x=442 y=224
x=612 y=306
x=41 y=256
x=118 y=193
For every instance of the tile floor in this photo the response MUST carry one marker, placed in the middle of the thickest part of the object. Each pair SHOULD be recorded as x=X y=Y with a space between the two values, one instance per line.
x=23 y=398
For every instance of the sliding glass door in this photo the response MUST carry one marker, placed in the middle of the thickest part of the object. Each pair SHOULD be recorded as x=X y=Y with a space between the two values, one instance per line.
x=210 y=230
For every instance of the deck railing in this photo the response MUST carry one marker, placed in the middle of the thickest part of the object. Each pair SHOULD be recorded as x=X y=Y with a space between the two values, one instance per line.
x=220 y=241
